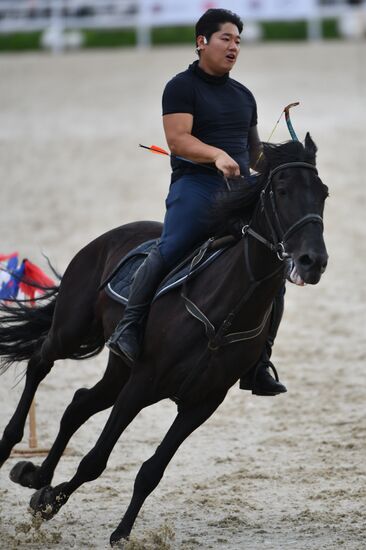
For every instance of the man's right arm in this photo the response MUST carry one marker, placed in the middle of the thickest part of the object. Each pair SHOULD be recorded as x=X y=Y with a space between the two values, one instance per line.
x=178 y=132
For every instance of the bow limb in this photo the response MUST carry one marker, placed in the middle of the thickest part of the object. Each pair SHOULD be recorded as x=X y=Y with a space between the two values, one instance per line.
x=288 y=120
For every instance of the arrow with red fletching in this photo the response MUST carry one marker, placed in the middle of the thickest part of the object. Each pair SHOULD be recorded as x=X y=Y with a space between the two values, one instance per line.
x=155 y=149
x=160 y=151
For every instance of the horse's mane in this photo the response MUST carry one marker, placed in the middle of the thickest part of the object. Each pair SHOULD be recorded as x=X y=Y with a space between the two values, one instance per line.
x=237 y=205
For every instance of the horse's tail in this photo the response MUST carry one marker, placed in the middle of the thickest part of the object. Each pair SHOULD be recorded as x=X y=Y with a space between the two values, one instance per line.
x=23 y=328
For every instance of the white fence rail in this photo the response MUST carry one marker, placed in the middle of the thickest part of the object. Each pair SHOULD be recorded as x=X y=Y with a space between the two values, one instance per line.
x=38 y=15
x=42 y=15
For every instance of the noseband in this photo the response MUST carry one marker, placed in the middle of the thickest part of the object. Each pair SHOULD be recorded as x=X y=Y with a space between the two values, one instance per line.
x=279 y=236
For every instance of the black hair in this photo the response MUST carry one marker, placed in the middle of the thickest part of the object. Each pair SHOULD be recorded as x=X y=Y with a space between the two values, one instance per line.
x=212 y=19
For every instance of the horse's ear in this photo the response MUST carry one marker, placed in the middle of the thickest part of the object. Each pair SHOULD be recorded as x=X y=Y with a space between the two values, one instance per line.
x=310 y=148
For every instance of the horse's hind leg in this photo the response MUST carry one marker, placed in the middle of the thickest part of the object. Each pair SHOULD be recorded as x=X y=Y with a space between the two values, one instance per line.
x=153 y=469
x=38 y=367
x=134 y=396
x=86 y=403
x=62 y=341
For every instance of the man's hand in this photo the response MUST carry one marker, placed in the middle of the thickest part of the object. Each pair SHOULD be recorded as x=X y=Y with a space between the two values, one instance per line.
x=227 y=165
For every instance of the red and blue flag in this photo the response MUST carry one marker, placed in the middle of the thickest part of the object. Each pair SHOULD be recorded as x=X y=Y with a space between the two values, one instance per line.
x=21 y=280
x=10 y=276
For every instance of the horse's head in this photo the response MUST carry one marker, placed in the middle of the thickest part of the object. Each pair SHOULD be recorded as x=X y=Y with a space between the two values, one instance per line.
x=293 y=203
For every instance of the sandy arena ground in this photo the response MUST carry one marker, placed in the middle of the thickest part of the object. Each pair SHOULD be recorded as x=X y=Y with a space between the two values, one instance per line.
x=278 y=473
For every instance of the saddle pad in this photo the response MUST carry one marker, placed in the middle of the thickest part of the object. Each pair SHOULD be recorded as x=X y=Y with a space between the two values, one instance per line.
x=119 y=284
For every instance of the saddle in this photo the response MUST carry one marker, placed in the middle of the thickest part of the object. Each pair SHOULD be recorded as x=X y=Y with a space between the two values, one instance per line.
x=118 y=284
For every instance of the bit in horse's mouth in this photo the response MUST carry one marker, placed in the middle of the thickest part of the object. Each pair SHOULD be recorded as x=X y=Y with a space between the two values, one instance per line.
x=294 y=275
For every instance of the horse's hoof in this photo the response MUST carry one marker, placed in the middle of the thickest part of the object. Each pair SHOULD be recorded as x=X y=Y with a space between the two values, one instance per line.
x=26 y=474
x=118 y=540
x=47 y=501
x=42 y=503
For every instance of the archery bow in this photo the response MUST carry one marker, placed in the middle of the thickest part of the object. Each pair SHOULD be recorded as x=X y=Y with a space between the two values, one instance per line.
x=160 y=151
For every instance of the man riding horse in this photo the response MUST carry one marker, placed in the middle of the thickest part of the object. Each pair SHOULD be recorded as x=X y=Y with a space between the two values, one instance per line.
x=211 y=120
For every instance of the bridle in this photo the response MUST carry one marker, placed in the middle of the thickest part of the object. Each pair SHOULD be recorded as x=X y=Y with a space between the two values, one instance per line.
x=278 y=234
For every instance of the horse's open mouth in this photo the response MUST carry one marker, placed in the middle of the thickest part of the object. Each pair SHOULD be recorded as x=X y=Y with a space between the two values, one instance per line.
x=299 y=277
x=294 y=276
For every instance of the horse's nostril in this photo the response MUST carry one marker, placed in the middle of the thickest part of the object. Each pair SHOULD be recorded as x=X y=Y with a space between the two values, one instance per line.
x=310 y=261
x=305 y=260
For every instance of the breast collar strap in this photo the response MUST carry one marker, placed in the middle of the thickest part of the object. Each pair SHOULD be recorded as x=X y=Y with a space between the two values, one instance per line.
x=278 y=235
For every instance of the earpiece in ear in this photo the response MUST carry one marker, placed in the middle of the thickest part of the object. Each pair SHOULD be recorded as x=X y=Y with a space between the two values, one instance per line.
x=198 y=48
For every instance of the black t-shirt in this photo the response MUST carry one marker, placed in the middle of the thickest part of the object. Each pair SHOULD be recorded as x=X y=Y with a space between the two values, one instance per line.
x=223 y=111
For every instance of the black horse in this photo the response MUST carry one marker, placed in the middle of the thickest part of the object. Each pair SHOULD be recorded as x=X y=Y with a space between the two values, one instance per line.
x=190 y=362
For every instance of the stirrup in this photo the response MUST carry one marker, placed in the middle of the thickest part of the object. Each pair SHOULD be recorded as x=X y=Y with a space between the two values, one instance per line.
x=273 y=369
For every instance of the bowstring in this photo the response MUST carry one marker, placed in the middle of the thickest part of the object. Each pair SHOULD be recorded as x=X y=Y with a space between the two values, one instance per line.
x=270 y=136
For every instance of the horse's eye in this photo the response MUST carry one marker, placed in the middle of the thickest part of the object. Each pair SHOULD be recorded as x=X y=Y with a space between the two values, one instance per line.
x=281 y=191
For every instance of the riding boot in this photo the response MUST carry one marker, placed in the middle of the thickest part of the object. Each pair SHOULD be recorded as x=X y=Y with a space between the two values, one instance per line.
x=259 y=379
x=126 y=340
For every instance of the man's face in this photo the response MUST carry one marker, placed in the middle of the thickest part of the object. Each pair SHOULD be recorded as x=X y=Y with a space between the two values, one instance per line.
x=219 y=56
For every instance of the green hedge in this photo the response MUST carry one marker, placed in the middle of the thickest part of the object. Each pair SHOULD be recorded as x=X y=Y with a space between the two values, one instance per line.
x=115 y=38
x=20 y=41
x=297 y=30
x=285 y=30
x=330 y=29
x=172 y=35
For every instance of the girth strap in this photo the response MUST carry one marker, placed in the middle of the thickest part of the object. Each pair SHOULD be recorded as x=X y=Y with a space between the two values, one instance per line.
x=248 y=334
x=220 y=338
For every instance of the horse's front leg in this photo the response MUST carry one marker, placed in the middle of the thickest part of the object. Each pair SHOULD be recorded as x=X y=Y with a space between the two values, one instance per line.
x=134 y=396
x=151 y=472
